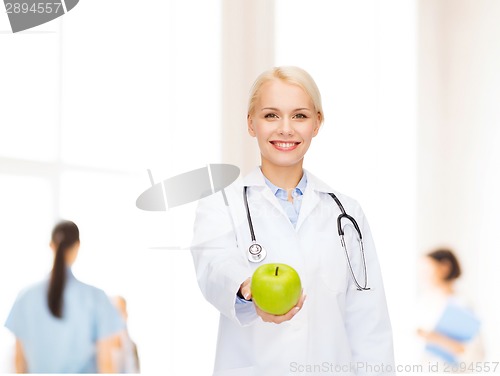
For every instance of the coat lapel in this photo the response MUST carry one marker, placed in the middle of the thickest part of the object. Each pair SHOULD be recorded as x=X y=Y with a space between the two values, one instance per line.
x=312 y=197
x=255 y=179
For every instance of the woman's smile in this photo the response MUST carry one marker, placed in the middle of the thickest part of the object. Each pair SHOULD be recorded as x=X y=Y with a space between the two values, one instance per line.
x=285 y=145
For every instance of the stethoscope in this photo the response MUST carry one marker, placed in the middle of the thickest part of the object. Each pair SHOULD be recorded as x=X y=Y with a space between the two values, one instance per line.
x=257 y=253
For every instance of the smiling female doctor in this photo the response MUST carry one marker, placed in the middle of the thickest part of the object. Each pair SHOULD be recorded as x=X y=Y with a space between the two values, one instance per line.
x=343 y=326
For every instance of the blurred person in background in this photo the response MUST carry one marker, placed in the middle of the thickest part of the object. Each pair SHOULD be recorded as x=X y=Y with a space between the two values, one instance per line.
x=125 y=354
x=441 y=271
x=62 y=325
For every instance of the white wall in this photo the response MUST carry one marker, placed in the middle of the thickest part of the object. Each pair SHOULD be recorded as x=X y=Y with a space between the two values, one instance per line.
x=458 y=138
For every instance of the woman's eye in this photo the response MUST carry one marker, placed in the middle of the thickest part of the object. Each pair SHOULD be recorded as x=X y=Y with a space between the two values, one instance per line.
x=270 y=116
x=300 y=116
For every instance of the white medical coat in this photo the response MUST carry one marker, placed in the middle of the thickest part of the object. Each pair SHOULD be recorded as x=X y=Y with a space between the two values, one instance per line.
x=339 y=330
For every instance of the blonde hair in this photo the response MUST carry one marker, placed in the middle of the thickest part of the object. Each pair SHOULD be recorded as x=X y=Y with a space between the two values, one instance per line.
x=291 y=75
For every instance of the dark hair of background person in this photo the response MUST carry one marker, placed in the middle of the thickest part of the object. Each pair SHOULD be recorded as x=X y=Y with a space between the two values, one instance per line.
x=64 y=235
x=447 y=256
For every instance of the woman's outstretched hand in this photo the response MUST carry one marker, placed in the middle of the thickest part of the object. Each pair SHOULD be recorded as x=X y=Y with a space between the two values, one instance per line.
x=278 y=319
x=246 y=292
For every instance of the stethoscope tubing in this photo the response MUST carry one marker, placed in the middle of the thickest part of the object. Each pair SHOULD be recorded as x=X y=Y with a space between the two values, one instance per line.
x=249 y=218
x=343 y=214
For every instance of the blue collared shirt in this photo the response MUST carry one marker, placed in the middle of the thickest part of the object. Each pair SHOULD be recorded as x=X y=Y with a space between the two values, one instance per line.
x=291 y=209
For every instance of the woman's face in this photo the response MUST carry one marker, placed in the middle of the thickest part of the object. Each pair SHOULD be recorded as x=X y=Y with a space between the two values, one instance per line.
x=434 y=272
x=284 y=122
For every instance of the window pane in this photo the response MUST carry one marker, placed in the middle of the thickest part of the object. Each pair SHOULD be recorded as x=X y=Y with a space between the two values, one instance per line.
x=4 y=22
x=103 y=206
x=119 y=111
x=29 y=98
x=153 y=94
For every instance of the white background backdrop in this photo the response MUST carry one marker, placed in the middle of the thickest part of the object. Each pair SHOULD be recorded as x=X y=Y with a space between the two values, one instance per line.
x=91 y=100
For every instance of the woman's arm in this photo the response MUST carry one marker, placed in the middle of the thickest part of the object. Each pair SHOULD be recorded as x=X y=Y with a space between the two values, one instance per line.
x=19 y=359
x=105 y=348
x=219 y=264
x=443 y=341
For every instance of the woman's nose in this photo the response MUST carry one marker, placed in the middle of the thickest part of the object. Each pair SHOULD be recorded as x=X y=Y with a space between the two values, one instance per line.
x=285 y=127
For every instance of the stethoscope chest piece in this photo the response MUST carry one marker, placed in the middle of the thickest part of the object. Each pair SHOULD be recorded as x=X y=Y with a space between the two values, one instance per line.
x=256 y=253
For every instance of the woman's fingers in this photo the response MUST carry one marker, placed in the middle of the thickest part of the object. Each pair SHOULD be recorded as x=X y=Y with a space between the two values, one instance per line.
x=267 y=317
x=278 y=319
x=301 y=300
x=289 y=315
x=245 y=289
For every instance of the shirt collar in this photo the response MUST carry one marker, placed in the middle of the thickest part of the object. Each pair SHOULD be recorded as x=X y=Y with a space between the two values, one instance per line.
x=69 y=273
x=281 y=193
x=256 y=179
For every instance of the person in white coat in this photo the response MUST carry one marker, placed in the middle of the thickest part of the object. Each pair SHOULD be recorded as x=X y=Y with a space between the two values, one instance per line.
x=338 y=329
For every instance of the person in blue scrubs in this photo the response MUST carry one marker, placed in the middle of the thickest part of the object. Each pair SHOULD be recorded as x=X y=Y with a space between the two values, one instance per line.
x=62 y=325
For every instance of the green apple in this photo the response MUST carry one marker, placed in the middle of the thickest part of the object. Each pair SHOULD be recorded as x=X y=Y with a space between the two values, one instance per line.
x=276 y=288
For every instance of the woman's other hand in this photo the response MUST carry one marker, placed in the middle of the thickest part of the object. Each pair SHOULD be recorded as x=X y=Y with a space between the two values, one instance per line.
x=278 y=319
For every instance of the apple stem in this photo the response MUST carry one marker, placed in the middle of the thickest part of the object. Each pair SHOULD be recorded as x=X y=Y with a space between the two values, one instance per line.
x=276 y=273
